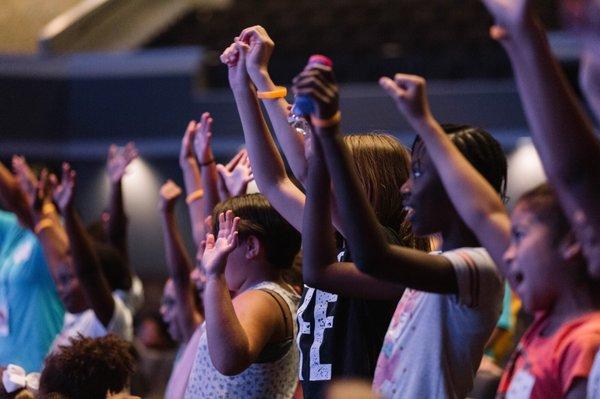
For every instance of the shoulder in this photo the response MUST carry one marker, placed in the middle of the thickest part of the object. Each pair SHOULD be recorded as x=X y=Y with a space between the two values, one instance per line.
x=580 y=334
x=478 y=280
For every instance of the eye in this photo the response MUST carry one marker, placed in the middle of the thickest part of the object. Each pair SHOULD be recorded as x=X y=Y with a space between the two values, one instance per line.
x=517 y=235
x=416 y=168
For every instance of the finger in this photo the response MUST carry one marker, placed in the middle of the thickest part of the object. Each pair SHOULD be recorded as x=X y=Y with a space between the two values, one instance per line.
x=314 y=93
x=390 y=87
x=234 y=161
x=232 y=241
x=235 y=223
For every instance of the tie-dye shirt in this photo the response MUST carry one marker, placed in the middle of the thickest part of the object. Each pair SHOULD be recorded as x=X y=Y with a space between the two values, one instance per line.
x=435 y=342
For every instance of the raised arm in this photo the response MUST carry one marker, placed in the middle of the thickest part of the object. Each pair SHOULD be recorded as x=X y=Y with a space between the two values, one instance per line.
x=477 y=203
x=178 y=262
x=207 y=165
x=33 y=189
x=267 y=164
x=116 y=165
x=197 y=164
x=236 y=175
x=87 y=266
x=320 y=269
x=367 y=242
x=12 y=197
x=236 y=332
x=48 y=227
x=257 y=64
x=561 y=131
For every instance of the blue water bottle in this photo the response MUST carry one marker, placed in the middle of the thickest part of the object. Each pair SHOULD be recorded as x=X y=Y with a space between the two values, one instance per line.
x=303 y=104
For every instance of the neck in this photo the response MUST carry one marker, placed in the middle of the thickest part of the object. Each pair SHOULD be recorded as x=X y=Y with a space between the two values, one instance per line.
x=458 y=235
x=572 y=303
x=259 y=272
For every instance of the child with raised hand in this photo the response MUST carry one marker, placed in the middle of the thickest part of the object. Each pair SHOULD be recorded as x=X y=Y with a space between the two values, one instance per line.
x=436 y=338
x=178 y=307
x=93 y=309
x=246 y=345
x=534 y=248
x=358 y=306
x=561 y=131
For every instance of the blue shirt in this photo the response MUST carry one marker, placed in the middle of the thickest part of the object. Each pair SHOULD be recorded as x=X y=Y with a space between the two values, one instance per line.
x=35 y=313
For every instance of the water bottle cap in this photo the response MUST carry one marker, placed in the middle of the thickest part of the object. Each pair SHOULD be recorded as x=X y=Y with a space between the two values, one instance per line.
x=320 y=59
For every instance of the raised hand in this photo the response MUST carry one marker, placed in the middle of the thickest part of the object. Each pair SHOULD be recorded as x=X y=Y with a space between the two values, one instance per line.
x=186 y=153
x=25 y=177
x=259 y=51
x=214 y=258
x=409 y=94
x=64 y=193
x=43 y=192
x=510 y=16
x=234 y=57
x=236 y=174
x=168 y=195
x=118 y=160
x=318 y=82
x=201 y=138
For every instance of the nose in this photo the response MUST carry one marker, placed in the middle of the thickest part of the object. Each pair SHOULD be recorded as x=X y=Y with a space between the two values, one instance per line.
x=509 y=255
x=163 y=311
x=406 y=190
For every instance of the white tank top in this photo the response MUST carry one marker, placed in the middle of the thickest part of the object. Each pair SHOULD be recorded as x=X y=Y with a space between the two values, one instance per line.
x=275 y=380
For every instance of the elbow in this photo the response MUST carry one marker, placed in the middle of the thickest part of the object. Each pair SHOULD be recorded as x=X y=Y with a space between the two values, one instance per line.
x=366 y=261
x=312 y=278
x=231 y=366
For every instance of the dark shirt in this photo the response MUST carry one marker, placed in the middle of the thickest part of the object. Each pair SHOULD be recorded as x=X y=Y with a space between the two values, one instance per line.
x=340 y=337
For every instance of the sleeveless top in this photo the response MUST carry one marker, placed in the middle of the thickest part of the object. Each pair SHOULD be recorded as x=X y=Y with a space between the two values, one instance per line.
x=276 y=379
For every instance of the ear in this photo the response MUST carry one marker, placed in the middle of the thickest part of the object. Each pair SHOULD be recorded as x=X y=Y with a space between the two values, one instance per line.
x=570 y=247
x=253 y=247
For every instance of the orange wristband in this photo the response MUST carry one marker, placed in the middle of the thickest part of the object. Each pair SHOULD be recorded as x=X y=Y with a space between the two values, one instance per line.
x=279 y=92
x=48 y=208
x=195 y=196
x=334 y=120
x=43 y=224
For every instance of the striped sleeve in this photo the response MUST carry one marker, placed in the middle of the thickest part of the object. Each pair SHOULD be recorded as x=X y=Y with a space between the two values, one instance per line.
x=476 y=276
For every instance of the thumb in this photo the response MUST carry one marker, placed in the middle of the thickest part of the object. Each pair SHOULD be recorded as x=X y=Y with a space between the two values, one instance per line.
x=498 y=33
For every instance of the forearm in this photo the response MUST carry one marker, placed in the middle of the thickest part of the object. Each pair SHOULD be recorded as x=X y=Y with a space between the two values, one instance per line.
x=318 y=236
x=562 y=133
x=367 y=242
x=211 y=193
x=267 y=164
x=54 y=242
x=88 y=268
x=228 y=345
x=290 y=141
x=180 y=266
x=178 y=261
x=193 y=182
x=117 y=222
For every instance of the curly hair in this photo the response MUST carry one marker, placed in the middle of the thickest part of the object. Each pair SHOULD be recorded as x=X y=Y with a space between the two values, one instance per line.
x=89 y=367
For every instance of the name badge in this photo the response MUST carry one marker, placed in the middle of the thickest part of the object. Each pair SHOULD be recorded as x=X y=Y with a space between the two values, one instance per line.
x=521 y=386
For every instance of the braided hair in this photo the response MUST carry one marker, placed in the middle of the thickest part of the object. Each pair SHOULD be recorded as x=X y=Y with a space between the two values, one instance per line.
x=482 y=150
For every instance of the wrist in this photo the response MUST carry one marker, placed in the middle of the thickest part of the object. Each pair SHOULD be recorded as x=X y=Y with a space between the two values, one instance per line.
x=262 y=80
x=242 y=87
x=216 y=276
